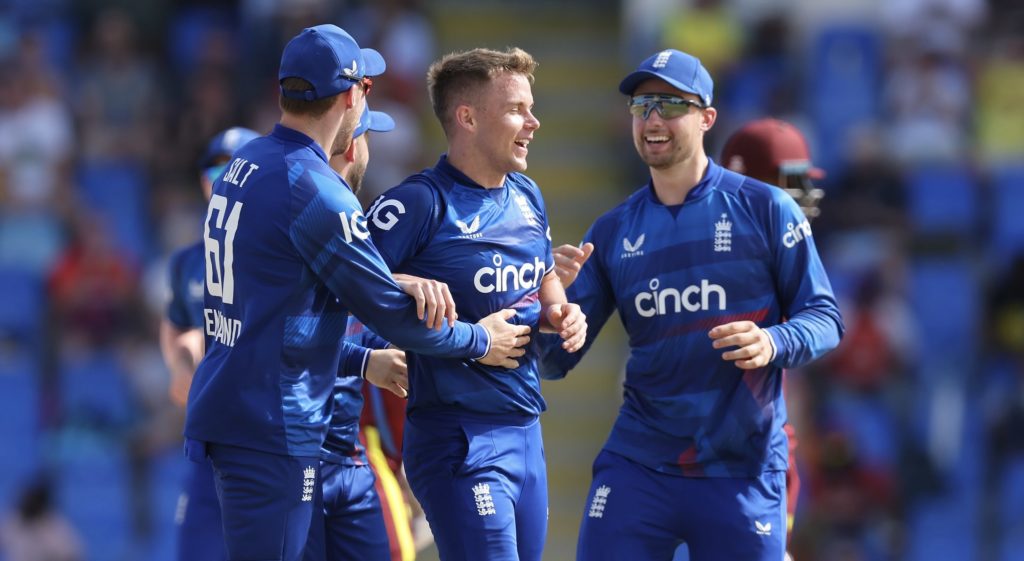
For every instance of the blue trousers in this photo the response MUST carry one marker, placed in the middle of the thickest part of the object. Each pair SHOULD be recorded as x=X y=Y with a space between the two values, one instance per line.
x=483 y=487
x=634 y=512
x=348 y=522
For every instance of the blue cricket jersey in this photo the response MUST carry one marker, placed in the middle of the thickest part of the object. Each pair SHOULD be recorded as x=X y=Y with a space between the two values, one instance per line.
x=736 y=249
x=287 y=257
x=185 y=269
x=341 y=445
x=491 y=247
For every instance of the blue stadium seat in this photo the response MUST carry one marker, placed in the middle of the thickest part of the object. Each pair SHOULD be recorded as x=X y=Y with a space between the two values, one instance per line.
x=94 y=492
x=842 y=87
x=19 y=421
x=946 y=304
x=95 y=391
x=1007 y=234
x=22 y=308
x=167 y=475
x=118 y=191
x=30 y=241
x=943 y=199
x=190 y=32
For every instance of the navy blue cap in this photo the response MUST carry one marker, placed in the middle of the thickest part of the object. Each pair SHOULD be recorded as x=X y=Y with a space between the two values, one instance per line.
x=330 y=59
x=376 y=121
x=679 y=69
x=225 y=144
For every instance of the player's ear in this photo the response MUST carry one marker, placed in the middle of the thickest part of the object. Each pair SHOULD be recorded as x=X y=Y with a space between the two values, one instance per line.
x=465 y=117
x=707 y=118
x=350 y=152
x=348 y=97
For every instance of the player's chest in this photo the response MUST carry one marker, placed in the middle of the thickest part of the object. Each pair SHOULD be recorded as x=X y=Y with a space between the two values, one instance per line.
x=697 y=262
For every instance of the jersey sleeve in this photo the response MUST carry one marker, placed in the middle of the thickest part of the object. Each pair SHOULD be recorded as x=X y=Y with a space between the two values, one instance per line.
x=592 y=291
x=813 y=324
x=177 y=308
x=402 y=220
x=354 y=358
x=330 y=233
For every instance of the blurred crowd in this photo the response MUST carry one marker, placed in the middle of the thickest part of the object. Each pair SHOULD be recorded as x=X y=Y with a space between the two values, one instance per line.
x=910 y=440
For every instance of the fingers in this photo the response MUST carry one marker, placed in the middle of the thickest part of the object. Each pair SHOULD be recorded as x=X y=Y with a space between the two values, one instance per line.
x=727 y=329
x=588 y=250
x=737 y=340
x=449 y=302
x=438 y=305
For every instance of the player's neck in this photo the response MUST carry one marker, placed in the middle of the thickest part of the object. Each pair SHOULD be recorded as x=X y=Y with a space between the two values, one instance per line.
x=471 y=165
x=321 y=130
x=674 y=183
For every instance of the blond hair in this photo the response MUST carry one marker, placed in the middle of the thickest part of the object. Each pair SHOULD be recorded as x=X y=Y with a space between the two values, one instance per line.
x=459 y=76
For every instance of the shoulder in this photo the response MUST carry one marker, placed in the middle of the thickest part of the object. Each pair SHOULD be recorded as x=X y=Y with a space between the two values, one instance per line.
x=611 y=220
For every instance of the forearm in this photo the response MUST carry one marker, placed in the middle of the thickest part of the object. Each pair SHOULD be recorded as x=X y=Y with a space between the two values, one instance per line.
x=552 y=293
x=806 y=336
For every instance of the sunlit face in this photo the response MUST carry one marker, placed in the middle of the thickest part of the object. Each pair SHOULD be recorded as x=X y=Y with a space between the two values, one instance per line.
x=505 y=122
x=349 y=121
x=357 y=169
x=663 y=143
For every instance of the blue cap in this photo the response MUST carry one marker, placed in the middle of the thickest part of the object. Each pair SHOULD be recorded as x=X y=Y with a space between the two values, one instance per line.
x=376 y=121
x=330 y=59
x=679 y=69
x=225 y=144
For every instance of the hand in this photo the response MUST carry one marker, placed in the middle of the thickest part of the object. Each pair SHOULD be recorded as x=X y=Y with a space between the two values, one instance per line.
x=434 y=302
x=755 y=349
x=569 y=259
x=387 y=369
x=571 y=324
x=507 y=340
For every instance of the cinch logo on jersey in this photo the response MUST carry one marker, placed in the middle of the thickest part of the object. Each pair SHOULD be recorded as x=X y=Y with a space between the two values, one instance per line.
x=796 y=234
x=670 y=300
x=382 y=214
x=508 y=277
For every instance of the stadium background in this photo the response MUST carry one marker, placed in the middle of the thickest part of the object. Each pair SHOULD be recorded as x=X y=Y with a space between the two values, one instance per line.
x=911 y=437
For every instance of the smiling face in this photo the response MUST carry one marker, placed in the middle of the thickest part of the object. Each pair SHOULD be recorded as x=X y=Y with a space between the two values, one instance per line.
x=663 y=143
x=505 y=123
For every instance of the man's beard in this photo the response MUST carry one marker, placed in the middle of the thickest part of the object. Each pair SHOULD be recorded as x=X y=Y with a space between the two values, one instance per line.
x=355 y=177
x=344 y=138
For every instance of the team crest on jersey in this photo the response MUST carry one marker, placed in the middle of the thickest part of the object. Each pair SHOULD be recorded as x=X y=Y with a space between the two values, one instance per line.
x=484 y=501
x=632 y=248
x=524 y=208
x=308 y=481
x=600 y=501
x=469 y=231
x=723 y=234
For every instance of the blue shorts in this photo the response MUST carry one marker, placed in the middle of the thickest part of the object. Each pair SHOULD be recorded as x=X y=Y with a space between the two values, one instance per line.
x=482 y=486
x=634 y=512
x=348 y=522
x=200 y=534
x=266 y=500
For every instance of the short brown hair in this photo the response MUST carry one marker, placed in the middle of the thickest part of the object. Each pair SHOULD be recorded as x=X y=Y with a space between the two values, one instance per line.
x=453 y=78
x=314 y=108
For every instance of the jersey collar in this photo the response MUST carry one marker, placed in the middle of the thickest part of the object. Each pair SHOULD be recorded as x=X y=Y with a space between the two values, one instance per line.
x=287 y=134
x=445 y=167
x=712 y=177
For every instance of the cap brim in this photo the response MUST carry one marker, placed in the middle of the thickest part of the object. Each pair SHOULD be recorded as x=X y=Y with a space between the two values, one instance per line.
x=629 y=83
x=381 y=122
x=816 y=173
x=373 y=63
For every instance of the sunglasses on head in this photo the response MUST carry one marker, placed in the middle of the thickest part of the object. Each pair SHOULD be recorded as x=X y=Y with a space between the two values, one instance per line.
x=365 y=81
x=668 y=106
